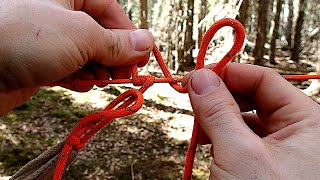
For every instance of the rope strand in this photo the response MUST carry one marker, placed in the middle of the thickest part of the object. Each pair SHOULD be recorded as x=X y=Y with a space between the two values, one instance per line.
x=132 y=100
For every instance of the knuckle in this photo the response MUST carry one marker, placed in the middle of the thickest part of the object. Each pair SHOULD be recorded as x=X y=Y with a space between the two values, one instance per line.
x=87 y=27
x=112 y=44
x=86 y=34
x=269 y=71
x=215 y=110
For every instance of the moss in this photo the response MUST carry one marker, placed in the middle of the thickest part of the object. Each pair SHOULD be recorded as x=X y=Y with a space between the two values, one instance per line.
x=26 y=142
x=13 y=158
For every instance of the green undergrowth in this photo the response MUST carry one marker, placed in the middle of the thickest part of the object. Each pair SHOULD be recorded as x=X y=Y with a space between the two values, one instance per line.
x=35 y=126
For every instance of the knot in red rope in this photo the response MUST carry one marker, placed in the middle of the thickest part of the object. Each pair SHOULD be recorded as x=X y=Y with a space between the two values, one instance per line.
x=75 y=142
x=141 y=80
x=132 y=100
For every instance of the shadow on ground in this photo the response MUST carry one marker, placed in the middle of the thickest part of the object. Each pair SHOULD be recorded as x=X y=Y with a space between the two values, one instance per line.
x=133 y=147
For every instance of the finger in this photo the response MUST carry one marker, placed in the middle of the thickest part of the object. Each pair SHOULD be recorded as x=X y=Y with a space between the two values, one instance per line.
x=100 y=72
x=279 y=103
x=109 y=47
x=120 y=72
x=245 y=103
x=123 y=47
x=203 y=138
x=254 y=123
x=84 y=75
x=143 y=61
x=15 y=98
x=251 y=120
x=108 y=13
x=81 y=74
x=218 y=114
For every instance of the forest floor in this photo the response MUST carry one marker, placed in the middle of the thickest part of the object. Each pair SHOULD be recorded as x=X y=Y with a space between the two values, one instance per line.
x=150 y=144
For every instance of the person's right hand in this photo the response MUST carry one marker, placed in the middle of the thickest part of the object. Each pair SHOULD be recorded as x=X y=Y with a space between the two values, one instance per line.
x=280 y=141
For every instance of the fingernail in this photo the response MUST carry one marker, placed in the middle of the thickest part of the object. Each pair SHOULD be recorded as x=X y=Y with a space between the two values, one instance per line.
x=141 y=39
x=204 y=81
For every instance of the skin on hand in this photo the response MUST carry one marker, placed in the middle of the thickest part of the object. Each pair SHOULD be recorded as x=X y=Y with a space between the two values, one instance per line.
x=44 y=41
x=280 y=141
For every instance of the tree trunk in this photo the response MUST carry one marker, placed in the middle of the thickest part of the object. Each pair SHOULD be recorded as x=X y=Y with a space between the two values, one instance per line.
x=202 y=14
x=187 y=60
x=275 y=33
x=170 y=38
x=298 y=28
x=143 y=14
x=243 y=14
x=262 y=31
x=179 y=35
x=288 y=19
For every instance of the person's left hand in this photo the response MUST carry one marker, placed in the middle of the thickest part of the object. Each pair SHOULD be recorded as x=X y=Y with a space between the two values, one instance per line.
x=44 y=41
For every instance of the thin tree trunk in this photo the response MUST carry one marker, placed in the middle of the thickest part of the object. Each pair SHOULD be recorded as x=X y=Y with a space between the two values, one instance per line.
x=297 y=48
x=288 y=19
x=243 y=14
x=170 y=39
x=143 y=14
x=262 y=31
x=179 y=35
x=202 y=14
x=275 y=33
x=189 y=43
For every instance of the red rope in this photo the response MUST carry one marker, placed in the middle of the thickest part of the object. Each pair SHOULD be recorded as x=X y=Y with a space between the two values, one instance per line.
x=132 y=100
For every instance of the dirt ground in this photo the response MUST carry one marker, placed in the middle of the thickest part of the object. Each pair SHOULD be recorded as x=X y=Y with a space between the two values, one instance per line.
x=150 y=144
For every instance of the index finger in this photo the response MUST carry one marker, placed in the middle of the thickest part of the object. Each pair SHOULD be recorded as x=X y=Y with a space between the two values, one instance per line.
x=278 y=102
x=108 y=13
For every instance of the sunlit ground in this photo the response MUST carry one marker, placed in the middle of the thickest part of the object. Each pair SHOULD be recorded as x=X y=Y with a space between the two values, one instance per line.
x=157 y=134
x=180 y=127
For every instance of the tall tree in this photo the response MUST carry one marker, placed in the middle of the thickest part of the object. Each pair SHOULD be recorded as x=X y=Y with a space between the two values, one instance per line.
x=179 y=33
x=243 y=12
x=297 y=47
x=201 y=16
x=275 y=32
x=143 y=14
x=262 y=31
x=189 y=42
x=288 y=19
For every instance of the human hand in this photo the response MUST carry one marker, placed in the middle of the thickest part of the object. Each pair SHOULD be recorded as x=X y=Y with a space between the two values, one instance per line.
x=43 y=41
x=280 y=141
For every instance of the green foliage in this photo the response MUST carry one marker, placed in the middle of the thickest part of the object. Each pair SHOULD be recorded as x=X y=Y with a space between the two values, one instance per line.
x=12 y=158
x=47 y=112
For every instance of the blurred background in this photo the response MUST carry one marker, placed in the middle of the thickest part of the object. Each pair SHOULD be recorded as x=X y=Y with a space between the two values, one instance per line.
x=151 y=144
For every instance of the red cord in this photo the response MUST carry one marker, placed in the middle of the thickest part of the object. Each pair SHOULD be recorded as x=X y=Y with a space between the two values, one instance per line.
x=132 y=100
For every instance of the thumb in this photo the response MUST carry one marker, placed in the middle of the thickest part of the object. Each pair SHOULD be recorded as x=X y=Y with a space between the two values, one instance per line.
x=124 y=47
x=217 y=112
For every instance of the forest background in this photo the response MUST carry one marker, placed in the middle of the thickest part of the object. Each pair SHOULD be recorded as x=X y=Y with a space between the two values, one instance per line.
x=281 y=34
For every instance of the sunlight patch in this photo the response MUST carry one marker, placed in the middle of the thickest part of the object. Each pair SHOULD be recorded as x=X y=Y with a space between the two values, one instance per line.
x=95 y=98
x=180 y=127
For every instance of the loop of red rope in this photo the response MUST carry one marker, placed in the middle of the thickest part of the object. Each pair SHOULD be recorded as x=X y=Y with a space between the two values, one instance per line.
x=132 y=100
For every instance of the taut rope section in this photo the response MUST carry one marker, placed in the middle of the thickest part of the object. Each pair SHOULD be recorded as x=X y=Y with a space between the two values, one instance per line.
x=132 y=100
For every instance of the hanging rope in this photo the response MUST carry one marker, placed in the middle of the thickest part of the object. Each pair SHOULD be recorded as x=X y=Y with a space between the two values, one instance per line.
x=132 y=100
